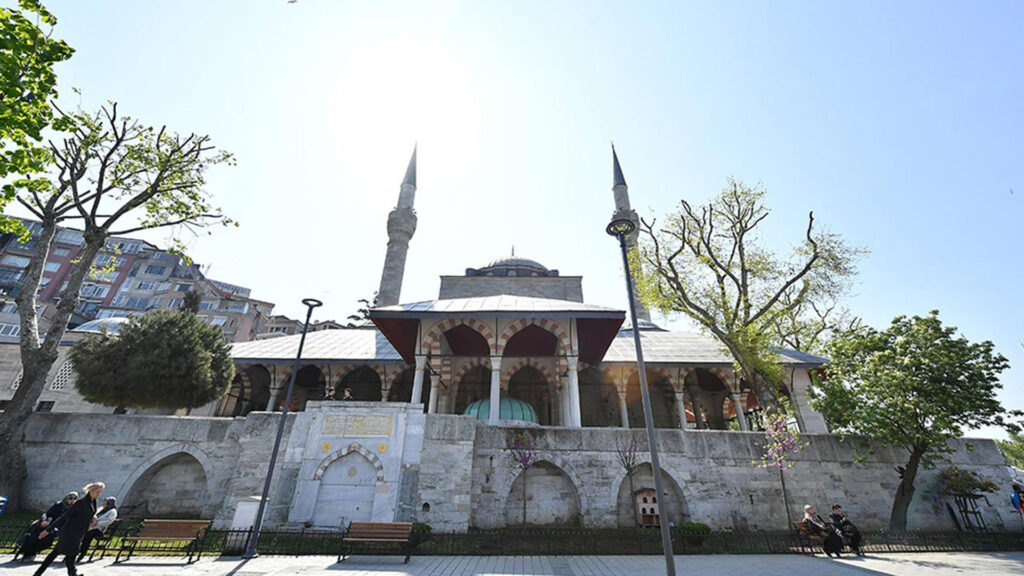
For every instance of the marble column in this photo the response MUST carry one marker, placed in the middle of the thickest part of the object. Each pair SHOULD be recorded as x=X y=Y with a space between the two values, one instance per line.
x=435 y=389
x=563 y=392
x=698 y=414
x=623 y=409
x=738 y=405
x=495 y=410
x=574 y=390
x=681 y=408
x=417 y=379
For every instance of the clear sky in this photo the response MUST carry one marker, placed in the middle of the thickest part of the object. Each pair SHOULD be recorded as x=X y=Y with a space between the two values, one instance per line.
x=899 y=124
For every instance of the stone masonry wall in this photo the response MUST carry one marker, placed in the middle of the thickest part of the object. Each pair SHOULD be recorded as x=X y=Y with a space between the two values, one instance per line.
x=719 y=485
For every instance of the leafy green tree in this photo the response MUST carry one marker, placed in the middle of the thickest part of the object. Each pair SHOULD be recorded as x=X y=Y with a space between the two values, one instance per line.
x=110 y=175
x=191 y=301
x=915 y=385
x=1013 y=449
x=709 y=263
x=28 y=54
x=167 y=359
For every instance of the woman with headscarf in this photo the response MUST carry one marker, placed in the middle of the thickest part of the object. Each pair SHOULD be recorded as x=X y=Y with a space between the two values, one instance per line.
x=104 y=518
x=30 y=541
x=71 y=528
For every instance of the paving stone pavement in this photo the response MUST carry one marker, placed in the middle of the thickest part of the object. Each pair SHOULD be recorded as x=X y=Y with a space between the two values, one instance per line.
x=923 y=564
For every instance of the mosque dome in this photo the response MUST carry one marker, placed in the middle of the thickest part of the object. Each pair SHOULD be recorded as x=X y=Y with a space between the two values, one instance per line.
x=512 y=266
x=511 y=409
x=110 y=325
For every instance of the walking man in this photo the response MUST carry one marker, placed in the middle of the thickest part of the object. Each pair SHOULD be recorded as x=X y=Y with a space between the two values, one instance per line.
x=71 y=528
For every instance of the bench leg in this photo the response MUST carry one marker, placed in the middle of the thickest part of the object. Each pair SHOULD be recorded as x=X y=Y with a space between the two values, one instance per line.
x=408 y=552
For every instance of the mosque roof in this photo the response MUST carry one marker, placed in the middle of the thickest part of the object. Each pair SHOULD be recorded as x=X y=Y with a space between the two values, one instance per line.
x=324 y=346
x=503 y=305
x=689 y=348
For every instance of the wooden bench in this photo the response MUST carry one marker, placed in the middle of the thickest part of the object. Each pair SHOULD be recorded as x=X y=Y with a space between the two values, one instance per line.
x=103 y=541
x=166 y=536
x=377 y=533
x=808 y=539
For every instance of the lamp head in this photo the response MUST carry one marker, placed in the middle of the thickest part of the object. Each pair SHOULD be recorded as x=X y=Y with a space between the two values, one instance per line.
x=620 y=227
x=312 y=302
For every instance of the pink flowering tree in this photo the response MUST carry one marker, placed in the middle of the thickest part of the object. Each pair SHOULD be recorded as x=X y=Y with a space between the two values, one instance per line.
x=782 y=442
x=523 y=452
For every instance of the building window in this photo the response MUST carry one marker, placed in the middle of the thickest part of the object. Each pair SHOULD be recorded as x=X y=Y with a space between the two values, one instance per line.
x=46 y=406
x=112 y=314
x=183 y=288
x=52 y=266
x=64 y=375
x=207 y=305
x=90 y=290
x=160 y=256
x=147 y=285
x=70 y=237
x=219 y=321
x=17 y=380
x=104 y=276
x=175 y=303
x=12 y=260
x=8 y=308
x=10 y=330
x=61 y=252
x=155 y=270
x=109 y=260
x=157 y=303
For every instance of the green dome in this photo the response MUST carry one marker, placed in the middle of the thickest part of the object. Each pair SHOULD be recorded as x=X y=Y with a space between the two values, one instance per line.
x=511 y=409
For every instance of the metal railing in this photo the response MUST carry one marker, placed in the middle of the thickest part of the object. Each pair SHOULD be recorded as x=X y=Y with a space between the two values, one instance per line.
x=574 y=541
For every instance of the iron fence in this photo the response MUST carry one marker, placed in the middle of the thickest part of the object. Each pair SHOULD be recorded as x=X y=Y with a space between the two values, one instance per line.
x=573 y=541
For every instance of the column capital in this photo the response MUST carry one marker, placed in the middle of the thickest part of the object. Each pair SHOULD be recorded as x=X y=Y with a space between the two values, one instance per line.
x=421 y=361
x=680 y=396
x=573 y=362
x=621 y=393
x=495 y=363
x=435 y=379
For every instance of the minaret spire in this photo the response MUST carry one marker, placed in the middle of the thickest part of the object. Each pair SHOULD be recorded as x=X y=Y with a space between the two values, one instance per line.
x=624 y=211
x=401 y=227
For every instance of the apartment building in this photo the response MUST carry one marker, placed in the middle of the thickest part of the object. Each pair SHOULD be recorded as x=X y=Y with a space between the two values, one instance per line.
x=130 y=276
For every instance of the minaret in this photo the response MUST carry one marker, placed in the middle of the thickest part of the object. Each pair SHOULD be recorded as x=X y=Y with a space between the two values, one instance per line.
x=401 y=227
x=624 y=211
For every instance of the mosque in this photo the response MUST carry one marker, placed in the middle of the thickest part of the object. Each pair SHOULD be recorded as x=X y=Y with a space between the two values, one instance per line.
x=421 y=441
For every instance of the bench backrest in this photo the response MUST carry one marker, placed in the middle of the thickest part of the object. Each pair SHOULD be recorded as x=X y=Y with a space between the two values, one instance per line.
x=111 y=528
x=803 y=530
x=172 y=528
x=395 y=530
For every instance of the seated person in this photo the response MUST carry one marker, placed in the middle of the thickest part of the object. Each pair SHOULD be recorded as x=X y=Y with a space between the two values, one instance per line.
x=103 y=519
x=840 y=521
x=30 y=541
x=832 y=541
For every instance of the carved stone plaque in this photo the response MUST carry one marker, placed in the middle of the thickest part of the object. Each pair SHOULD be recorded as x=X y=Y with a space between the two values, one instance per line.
x=362 y=425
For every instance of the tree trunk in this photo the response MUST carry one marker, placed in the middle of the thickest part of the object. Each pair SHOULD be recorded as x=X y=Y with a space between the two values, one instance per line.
x=632 y=497
x=524 y=495
x=37 y=357
x=785 y=498
x=905 y=491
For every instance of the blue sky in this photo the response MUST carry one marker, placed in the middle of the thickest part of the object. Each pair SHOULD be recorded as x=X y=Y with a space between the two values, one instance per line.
x=899 y=124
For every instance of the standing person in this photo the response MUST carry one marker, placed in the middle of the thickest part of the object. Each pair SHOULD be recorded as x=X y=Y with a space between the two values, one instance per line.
x=31 y=542
x=1017 y=499
x=850 y=532
x=104 y=518
x=71 y=528
x=328 y=395
x=347 y=394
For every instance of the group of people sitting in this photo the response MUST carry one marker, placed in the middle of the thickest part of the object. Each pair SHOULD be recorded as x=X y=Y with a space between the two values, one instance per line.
x=835 y=532
x=74 y=522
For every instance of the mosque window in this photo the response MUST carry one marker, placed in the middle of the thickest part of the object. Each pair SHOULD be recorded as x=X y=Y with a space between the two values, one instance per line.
x=64 y=376
x=17 y=381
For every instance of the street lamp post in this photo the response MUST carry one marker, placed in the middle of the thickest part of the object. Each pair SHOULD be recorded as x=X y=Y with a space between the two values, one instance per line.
x=622 y=228
x=250 y=551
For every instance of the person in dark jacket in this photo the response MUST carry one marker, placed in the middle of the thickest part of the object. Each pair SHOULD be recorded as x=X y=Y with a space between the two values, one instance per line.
x=71 y=528
x=30 y=541
x=849 y=531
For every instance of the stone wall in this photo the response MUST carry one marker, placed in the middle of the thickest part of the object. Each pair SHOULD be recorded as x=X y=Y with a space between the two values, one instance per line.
x=717 y=483
x=557 y=288
x=454 y=472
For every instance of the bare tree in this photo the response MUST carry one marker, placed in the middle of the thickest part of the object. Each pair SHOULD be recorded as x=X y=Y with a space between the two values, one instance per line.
x=110 y=175
x=708 y=263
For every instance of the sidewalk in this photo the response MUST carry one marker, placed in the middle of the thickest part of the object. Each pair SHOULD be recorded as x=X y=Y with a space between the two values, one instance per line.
x=930 y=564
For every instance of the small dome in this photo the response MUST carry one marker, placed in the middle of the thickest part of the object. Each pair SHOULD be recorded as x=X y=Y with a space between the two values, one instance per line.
x=511 y=409
x=512 y=266
x=111 y=325
x=516 y=262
